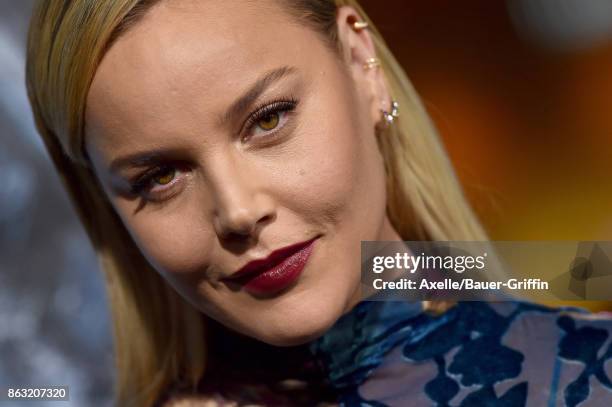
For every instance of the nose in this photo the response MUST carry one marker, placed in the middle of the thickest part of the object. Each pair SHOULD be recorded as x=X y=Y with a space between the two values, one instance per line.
x=241 y=204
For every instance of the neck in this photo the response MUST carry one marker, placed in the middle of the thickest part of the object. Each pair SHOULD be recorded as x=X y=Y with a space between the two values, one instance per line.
x=237 y=362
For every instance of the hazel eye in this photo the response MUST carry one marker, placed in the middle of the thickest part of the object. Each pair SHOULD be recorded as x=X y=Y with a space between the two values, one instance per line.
x=161 y=182
x=165 y=177
x=269 y=122
x=269 y=119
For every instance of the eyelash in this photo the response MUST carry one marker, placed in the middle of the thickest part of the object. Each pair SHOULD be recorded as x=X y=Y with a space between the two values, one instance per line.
x=143 y=181
x=261 y=112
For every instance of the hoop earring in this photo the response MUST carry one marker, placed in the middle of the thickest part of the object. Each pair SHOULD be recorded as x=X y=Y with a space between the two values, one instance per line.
x=389 y=117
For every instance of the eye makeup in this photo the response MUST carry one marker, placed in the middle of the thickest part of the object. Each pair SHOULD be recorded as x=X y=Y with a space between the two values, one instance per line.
x=269 y=110
x=165 y=175
x=157 y=182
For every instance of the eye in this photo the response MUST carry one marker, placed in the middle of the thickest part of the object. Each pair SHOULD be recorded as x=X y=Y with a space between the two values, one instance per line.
x=269 y=122
x=269 y=118
x=165 y=177
x=157 y=182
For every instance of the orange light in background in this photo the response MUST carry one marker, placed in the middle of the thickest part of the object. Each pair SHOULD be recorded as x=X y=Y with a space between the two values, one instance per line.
x=528 y=128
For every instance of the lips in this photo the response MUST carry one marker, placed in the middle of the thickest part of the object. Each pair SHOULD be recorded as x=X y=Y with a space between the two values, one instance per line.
x=275 y=272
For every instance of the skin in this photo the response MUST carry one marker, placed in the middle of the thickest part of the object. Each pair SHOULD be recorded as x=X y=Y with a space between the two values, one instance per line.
x=238 y=195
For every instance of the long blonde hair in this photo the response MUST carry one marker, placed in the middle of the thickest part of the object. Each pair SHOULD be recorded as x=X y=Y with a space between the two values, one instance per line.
x=158 y=337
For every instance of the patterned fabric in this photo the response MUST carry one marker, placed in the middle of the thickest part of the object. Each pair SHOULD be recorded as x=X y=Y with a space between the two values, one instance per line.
x=502 y=354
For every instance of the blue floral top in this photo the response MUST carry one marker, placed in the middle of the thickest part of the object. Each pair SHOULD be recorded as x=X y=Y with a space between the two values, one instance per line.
x=475 y=354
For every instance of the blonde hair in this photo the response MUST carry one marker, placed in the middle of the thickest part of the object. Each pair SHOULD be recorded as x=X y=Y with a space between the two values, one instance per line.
x=158 y=337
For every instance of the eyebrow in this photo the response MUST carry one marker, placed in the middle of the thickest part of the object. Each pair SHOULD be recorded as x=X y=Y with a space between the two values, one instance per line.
x=142 y=159
x=254 y=91
x=235 y=110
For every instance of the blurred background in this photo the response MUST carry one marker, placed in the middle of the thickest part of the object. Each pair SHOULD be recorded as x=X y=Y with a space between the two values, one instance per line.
x=521 y=92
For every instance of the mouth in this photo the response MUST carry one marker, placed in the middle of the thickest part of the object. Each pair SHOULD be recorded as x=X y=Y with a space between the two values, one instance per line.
x=276 y=272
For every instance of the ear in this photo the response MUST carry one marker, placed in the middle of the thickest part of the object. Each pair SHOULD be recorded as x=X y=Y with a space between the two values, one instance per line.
x=358 y=47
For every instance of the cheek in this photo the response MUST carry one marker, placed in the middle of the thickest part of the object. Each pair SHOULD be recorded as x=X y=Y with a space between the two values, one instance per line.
x=336 y=175
x=170 y=239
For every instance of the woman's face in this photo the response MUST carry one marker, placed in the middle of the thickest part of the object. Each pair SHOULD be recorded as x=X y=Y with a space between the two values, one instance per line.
x=225 y=131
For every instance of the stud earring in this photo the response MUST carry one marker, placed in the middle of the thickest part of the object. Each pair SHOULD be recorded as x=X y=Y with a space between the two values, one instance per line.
x=389 y=117
x=360 y=25
x=371 y=63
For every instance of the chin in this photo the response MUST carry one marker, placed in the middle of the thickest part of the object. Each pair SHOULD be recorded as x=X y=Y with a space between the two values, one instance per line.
x=294 y=335
x=302 y=323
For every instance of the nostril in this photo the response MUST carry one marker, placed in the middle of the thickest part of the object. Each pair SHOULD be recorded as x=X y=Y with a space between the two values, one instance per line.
x=243 y=238
x=237 y=242
x=265 y=219
x=238 y=232
x=238 y=219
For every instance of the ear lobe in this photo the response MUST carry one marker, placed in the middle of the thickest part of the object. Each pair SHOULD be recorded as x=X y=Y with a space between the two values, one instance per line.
x=358 y=49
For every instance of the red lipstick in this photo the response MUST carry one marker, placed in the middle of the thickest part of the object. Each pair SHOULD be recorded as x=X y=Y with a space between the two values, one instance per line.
x=275 y=272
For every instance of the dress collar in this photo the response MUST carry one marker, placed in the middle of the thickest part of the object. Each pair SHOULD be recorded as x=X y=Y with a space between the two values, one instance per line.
x=357 y=343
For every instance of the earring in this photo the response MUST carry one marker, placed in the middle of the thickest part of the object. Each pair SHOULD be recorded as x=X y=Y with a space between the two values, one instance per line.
x=360 y=25
x=389 y=117
x=371 y=63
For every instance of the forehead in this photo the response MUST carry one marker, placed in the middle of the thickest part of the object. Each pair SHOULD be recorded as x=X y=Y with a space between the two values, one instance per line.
x=185 y=60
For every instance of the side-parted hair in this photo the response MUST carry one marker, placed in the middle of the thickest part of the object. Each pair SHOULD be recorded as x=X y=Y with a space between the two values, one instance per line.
x=158 y=336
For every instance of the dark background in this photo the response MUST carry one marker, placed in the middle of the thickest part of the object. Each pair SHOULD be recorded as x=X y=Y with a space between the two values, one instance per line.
x=521 y=92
